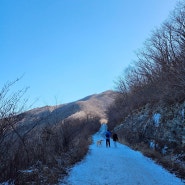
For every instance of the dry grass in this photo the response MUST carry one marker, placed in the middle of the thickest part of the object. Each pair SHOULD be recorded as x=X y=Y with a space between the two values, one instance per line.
x=49 y=152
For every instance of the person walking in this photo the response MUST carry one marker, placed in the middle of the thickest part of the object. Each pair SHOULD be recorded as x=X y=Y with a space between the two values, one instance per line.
x=115 y=139
x=107 y=135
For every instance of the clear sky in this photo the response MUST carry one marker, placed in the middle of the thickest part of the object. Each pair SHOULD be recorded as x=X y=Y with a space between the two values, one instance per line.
x=69 y=49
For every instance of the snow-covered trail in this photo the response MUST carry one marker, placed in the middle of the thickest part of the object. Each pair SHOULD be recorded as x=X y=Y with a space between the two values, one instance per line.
x=117 y=166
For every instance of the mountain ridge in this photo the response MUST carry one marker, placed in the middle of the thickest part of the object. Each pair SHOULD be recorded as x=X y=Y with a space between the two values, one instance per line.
x=93 y=105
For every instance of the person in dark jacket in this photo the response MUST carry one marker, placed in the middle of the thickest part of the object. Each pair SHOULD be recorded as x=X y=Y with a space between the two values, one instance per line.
x=107 y=135
x=115 y=139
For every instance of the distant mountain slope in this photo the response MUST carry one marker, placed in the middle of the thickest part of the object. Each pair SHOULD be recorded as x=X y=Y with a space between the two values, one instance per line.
x=93 y=105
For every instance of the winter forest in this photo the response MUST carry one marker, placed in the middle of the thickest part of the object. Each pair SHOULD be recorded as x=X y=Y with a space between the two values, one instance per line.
x=158 y=74
x=146 y=110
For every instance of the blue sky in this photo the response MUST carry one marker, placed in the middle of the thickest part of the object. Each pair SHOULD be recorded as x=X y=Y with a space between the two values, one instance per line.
x=69 y=49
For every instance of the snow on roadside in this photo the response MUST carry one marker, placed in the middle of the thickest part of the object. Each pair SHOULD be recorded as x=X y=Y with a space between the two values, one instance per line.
x=7 y=183
x=117 y=166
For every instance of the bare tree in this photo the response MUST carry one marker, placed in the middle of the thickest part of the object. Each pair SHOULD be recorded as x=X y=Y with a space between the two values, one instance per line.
x=12 y=104
x=158 y=75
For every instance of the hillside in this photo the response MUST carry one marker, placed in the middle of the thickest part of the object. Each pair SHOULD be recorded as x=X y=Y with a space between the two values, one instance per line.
x=48 y=140
x=94 y=106
x=158 y=131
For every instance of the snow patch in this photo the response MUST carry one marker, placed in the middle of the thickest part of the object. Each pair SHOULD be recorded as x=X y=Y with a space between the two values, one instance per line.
x=156 y=119
x=182 y=113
